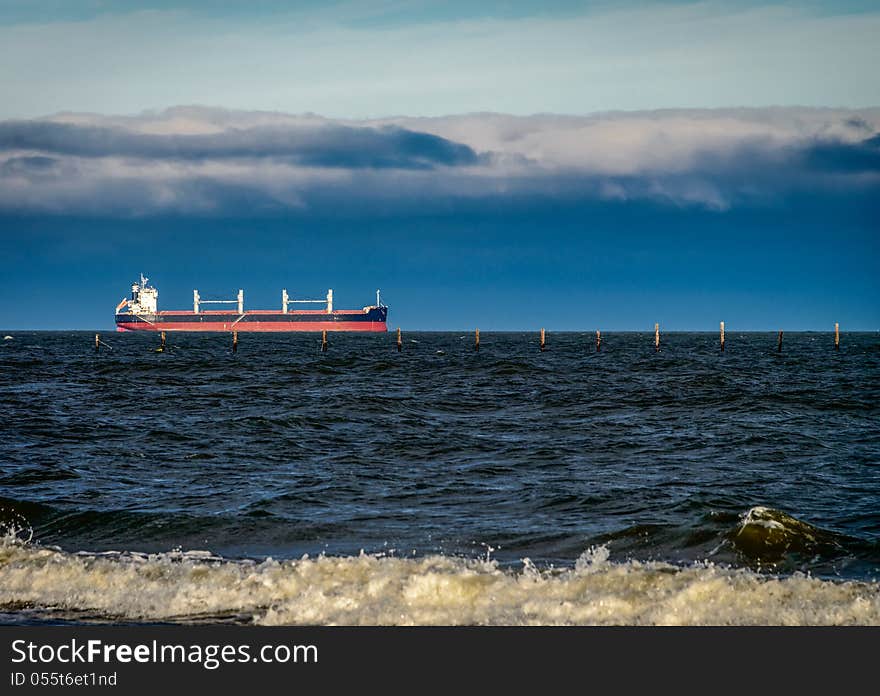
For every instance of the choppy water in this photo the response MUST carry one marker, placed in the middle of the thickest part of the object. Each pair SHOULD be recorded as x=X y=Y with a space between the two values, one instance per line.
x=440 y=485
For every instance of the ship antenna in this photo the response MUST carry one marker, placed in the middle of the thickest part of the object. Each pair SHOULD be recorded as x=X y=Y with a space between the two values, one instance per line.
x=378 y=302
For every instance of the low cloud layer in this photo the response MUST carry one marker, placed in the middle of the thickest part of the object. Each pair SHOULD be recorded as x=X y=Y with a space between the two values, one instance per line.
x=204 y=161
x=330 y=145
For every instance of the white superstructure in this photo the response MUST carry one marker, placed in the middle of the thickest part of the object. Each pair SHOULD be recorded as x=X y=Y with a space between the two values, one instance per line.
x=144 y=298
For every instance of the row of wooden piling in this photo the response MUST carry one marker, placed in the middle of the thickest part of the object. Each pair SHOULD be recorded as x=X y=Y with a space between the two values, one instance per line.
x=543 y=339
x=542 y=344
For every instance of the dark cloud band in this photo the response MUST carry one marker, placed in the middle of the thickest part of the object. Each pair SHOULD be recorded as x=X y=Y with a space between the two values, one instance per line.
x=103 y=165
x=331 y=146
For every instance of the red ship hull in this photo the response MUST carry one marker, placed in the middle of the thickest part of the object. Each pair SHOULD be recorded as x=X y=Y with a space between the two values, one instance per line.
x=372 y=327
x=370 y=320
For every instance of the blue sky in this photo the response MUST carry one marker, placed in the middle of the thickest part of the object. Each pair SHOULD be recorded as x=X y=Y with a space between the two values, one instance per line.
x=373 y=59
x=572 y=165
x=579 y=266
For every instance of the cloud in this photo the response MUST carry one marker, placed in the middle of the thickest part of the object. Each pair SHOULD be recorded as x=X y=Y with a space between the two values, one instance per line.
x=208 y=161
x=317 y=146
x=28 y=166
x=860 y=157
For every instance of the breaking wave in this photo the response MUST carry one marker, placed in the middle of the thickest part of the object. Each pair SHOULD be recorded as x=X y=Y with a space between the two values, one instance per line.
x=765 y=534
x=197 y=586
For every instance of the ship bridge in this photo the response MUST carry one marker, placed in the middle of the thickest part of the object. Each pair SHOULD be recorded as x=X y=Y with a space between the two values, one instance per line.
x=144 y=298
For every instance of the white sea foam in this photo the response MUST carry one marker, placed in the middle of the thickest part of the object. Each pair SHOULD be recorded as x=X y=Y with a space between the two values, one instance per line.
x=378 y=590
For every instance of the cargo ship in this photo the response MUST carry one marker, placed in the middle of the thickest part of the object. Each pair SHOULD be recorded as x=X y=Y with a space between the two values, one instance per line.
x=140 y=313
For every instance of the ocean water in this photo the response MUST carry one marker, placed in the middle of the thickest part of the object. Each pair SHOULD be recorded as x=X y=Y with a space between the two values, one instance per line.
x=439 y=485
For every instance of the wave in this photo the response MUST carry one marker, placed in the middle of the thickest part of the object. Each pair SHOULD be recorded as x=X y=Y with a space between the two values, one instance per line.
x=197 y=586
x=765 y=534
x=761 y=539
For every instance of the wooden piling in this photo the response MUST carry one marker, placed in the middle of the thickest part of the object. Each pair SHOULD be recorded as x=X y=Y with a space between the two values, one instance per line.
x=656 y=338
x=234 y=341
x=598 y=340
x=324 y=341
x=722 y=336
x=477 y=340
x=779 y=344
x=97 y=342
x=399 y=341
x=836 y=336
x=543 y=342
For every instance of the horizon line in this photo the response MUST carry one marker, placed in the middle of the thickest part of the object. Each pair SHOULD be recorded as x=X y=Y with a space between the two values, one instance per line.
x=390 y=330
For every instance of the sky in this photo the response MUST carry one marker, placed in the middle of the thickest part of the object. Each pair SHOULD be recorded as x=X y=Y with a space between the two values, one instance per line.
x=381 y=58
x=506 y=165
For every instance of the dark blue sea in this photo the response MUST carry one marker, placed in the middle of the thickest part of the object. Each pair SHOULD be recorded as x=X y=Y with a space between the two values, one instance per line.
x=440 y=485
